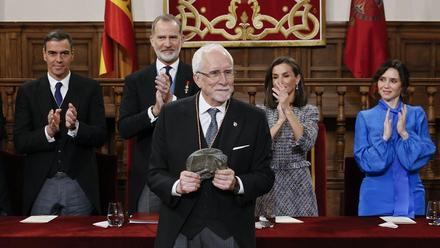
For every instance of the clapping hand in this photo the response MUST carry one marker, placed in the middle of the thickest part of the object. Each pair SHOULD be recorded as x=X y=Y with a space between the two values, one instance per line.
x=401 y=123
x=400 y=126
x=387 y=127
x=280 y=93
x=163 y=94
x=163 y=86
x=71 y=117
x=53 y=122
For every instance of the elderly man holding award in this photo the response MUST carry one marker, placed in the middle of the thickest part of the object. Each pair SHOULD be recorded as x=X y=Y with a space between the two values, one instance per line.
x=210 y=161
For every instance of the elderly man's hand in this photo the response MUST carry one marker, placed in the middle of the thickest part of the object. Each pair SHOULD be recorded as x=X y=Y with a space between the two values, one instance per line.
x=224 y=179
x=189 y=182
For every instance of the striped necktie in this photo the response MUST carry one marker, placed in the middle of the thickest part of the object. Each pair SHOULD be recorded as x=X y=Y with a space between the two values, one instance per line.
x=212 y=129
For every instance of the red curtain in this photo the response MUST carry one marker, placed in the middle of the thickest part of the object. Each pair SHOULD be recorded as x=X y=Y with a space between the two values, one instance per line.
x=366 y=45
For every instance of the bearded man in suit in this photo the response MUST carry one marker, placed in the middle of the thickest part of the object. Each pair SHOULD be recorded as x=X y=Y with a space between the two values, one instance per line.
x=145 y=92
x=219 y=211
x=59 y=122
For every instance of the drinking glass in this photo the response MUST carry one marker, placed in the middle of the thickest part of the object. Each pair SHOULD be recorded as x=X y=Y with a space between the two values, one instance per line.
x=433 y=212
x=115 y=214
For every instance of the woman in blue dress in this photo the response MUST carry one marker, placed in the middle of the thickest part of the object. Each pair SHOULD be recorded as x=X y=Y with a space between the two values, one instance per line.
x=391 y=145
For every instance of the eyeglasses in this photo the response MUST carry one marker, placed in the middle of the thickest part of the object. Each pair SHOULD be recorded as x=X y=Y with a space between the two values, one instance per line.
x=215 y=75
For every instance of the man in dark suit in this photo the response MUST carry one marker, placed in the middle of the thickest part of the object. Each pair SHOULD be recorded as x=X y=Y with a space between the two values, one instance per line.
x=145 y=92
x=59 y=121
x=217 y=212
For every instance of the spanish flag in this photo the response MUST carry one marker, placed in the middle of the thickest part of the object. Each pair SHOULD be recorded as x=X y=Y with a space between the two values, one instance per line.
x=118 y=29
x=118 y=43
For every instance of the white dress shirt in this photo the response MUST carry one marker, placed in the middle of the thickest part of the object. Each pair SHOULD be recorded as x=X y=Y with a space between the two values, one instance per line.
x=63 y=90
x=160 y=67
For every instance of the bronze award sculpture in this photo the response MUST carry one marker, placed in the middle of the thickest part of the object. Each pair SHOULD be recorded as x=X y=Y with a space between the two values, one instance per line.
x=206 y=161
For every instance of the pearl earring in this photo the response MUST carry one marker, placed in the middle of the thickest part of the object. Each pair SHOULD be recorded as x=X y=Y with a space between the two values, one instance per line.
x=296 y=88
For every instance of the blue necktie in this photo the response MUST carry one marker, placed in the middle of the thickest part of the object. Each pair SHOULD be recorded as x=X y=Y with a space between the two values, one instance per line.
x=58 y=96
x=212 y=129
x=167 y=72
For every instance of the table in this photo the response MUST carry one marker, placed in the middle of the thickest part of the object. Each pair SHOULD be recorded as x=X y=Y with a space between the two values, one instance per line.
x=70 y=231
x=314 y=232
x=357 y=232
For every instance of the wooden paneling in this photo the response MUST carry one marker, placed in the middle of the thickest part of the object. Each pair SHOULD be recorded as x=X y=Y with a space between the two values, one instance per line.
x=23 y=43
x=416 y=44
x=10 y=57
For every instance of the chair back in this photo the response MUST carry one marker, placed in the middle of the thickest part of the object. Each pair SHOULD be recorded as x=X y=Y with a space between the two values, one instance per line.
x=107 y=170
x=318 y=169
x=12 y=165
x=352 y=183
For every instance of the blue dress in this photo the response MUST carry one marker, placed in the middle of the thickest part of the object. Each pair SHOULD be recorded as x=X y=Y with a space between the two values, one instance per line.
x=392 y=184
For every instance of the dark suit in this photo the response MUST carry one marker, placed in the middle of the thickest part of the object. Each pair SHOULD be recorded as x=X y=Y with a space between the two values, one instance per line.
x=227 y=214
x=5 y=206
x=2 y=123
x=139 y=95
x=75 y=156
x=4 y=198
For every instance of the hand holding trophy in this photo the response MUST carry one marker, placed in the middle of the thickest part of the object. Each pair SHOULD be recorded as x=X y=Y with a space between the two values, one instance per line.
x=206 y=161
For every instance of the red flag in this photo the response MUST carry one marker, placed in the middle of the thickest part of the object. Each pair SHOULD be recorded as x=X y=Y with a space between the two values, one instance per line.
x=118 y=29
x=366 y=44
x=118 y=41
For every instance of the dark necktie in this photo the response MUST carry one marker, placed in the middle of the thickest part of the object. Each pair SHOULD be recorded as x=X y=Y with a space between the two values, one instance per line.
x=212 y=129
x=167 y=72
x=58 y=96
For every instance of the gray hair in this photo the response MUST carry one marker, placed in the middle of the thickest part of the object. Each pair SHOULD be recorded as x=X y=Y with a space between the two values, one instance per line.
x=165 y=18
x=198 y=55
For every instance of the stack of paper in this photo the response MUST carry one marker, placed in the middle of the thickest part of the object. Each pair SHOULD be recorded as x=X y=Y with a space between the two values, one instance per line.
x=287 y=219
x=39 y=219
x=398 y=219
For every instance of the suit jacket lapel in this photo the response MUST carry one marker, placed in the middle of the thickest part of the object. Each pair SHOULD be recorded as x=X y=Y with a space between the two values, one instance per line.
x=151 y=77
x=182 y=81
x=70 y=95
x=230 y=129
x=45 y=97
x=147 y=87
x=191 y=123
